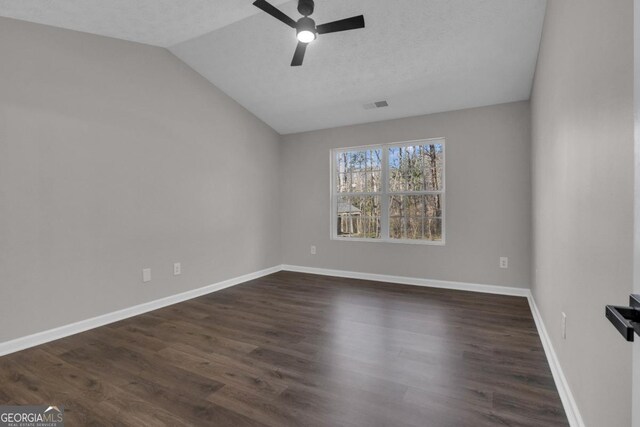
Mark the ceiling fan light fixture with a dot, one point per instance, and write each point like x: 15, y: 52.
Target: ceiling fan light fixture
x: 306, y: 36
x: 306, y: 30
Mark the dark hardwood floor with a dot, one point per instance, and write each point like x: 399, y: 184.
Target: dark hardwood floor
x: 294, y: 349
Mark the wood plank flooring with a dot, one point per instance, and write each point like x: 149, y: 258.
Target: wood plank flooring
x: 294, y: 349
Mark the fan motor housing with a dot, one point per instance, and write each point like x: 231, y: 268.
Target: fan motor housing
x: 306, y: 24
x: 305, y: 7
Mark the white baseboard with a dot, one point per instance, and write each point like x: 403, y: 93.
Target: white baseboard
x: 460, y: 286
x: 22, y: 343
x: 568, y: 401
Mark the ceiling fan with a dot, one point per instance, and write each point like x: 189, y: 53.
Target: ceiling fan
x: 306, y: 28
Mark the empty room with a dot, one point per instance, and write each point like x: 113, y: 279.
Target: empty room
x: 358, y: 213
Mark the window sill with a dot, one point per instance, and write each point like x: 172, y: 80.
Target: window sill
x: 393, y: 241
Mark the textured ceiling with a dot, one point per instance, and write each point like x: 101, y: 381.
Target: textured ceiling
x: 422, y: 56
x: 156, y: 22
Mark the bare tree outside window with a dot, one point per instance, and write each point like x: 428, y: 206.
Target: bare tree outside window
x: 359, y: 181
x: 390, y: 192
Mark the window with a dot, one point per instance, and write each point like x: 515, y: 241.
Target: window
x: 392, y: 192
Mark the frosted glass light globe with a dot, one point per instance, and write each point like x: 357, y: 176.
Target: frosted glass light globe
x: 306, y: 36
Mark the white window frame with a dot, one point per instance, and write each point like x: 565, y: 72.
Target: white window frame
x: 385, y: 195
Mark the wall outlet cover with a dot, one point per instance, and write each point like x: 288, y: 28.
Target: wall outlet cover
x: 146, y: 275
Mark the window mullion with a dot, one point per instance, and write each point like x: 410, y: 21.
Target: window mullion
x: 384, y: 199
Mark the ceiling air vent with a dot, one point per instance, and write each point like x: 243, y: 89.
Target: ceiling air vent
x: 374, y: 105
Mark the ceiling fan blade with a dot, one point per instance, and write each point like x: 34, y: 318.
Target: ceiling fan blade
x: 352, y: 23
x: 275, y: 12
x: 299, y: 55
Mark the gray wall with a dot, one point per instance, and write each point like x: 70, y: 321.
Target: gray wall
x: 116, y: 156
x: 488, y: 204
x: 636, y: 270
x: 583, y: 172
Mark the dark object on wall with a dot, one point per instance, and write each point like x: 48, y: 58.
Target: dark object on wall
x: 306, y: 29
x: 626, y: 319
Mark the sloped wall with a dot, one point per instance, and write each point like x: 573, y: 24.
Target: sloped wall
x: 115, y: 156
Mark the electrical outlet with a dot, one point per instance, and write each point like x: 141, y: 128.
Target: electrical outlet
x: 146, y: 275
x: 313, y: 250
x: 177, y: 269
x: 564, y: 326
x: 504, y: 262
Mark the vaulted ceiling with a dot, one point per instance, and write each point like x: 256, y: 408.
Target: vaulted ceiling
x: 156, y: 22
x: 422, y: 56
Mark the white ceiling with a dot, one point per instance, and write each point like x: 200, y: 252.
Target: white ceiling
x: 156, y: 22
x: 423, y: 56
